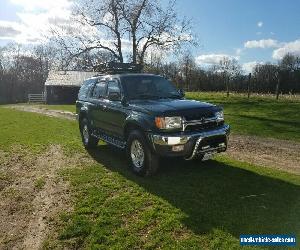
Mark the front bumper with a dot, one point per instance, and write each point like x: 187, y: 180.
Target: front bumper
x: 192, y: 144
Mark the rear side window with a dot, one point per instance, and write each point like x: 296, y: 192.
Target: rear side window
x: 85, y: 88
x: 99, y: 90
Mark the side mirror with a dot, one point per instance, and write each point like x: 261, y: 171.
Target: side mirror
x: 114, y: 96
x: 181, y: 92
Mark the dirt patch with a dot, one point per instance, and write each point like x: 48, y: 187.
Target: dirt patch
x: 32, y: 194
x: 267, y: 152
x: 53, y: 197
x: 48, y: 112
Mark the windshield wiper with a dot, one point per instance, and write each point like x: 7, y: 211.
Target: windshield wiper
x: 147, y: 96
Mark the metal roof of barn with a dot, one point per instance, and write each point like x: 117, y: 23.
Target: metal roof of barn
x: 68, y: 78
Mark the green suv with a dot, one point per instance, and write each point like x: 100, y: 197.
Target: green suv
x: 148, y: 117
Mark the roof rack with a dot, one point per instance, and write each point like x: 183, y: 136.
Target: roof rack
x: 118, y: 68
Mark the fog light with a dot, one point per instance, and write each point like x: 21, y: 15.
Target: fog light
x: 177, y: 148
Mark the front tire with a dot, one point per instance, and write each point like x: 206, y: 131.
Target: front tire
x: 141, y: 159
x: 88, y: 140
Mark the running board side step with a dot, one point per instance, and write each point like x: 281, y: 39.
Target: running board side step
x: 111, y: 140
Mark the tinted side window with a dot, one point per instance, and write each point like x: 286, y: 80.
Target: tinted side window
x: 99, y: 90
x: 84, y: 89
x: 113, y: 86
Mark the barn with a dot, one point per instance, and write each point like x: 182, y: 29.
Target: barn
x: 61, y: 87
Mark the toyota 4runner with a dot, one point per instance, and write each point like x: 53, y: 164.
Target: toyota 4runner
x: 148, y: 117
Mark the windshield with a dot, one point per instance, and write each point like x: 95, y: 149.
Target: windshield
x: 148, y: 87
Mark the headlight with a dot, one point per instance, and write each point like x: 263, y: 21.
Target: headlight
x: 219, y: 116
x: 168, y: 122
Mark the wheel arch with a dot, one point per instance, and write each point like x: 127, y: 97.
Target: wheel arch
x: 130, y: 126
x: 81, y: 116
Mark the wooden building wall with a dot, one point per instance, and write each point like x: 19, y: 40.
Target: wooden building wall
x: 61, y: 94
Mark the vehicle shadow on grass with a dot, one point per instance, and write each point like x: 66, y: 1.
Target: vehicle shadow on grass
x: 217, y: 195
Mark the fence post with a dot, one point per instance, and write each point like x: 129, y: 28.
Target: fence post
x: 248, y: 87
x: 278, y: 85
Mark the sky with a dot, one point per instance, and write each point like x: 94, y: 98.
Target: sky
x: 252, y: 32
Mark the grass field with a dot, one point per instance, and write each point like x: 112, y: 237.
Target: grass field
x: 261, y: 115
x: 188, y: 205
x: 17, y: 128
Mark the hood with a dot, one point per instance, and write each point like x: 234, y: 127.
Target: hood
x: 174, y: 106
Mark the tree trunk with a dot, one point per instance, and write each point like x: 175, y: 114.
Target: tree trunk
x: 134, y: 47
x: 249, y: 81
x: 227, y: 85
x: 120, y: 50
x: 277, y: 87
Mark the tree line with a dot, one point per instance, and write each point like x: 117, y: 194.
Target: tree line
x: 23, y: 73
x: 138, y: 31
x: 227, y: 75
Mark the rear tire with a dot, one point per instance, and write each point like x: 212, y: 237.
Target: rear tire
x: 142, y: 160
x: 88, y: 140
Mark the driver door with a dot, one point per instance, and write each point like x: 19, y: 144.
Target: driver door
x: 115, y: 113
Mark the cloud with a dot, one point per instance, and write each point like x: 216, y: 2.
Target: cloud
x: 260, y: 24
x: 248, y: 66
x: 42, y: 5
x: 287, y: 48
x: 239, y: 51
x: 262, y: 44
x: 9, y: 30
x: 36, y: 18
x: 211, y: 59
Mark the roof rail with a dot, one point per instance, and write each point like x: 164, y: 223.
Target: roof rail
x: 118, y: 68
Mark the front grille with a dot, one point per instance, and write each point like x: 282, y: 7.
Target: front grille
x: 198, y: 115
x: 201, y: 125
x: 197, y: 127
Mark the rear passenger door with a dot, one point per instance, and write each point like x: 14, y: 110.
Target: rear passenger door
x: 98, y: 106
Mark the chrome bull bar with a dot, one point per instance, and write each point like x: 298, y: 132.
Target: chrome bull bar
x: 197, y: 152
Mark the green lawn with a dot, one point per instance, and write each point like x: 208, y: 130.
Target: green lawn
x: 187, y: 205
x: 260, y: 115
x: 35, y: 131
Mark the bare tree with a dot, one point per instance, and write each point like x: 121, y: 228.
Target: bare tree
x: 266, y: 77
x: 152, y: 26
x: 229, y: 68
x: 290, y: 63
x: 188, y: 66
x: 123, y: 28
x: 95, y: 26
